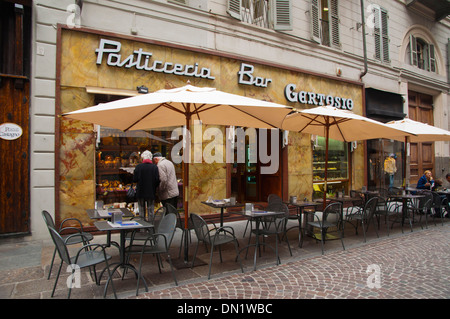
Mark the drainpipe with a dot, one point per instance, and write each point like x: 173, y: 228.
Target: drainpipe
x: 363, y: 24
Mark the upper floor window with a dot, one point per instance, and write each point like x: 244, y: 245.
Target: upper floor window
x: 325, y: 22
x: 274, y: 14
x: 421, y: 54
x: 381, y: 34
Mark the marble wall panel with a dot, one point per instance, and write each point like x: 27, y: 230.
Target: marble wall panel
x: 77, y: 154
x: 75, y: 197
x: 77, y: 149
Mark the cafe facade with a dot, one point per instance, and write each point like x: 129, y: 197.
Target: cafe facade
x: 60, y: 56
x: 96, y: 163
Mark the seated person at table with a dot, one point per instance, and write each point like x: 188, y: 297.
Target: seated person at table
x: 446, y: 182
x: 426, y: 181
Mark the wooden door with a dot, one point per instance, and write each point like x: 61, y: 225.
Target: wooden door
x: 421, y: 154
x: 247, y: 181
x: 15, y: 37
x: 14, y: 168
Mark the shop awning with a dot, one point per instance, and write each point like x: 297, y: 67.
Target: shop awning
x: 110, y: 91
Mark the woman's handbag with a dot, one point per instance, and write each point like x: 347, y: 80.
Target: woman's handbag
x: 131, y: 195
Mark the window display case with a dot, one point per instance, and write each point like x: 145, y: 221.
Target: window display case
x: 117, y: 154
x: 338, y: 168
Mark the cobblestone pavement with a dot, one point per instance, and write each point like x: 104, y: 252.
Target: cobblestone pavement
x: 413, y: 265
x: 416, y: 265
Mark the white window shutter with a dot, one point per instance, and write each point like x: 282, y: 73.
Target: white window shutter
x: 315, y: 21
x: 432, y: 62
x: 385, y: 35
x: 334, y: 23
x: 282, y: 14
x: 377, y: 32
x: 234, y: 8
x: 413, y: 49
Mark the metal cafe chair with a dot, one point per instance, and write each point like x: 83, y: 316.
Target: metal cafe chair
x: 274, y: 226
x: 387, y: 208
x: 271, y: 199
x: 215, y: 237
x: 69, y: 240
x: 157, y: 243
x: 87, y: 256
x: 364, y: 215
x: 328, y: 222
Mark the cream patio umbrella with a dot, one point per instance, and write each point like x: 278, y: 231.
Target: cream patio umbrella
x: 177, y: 107
x: 422, y: 133
x: 337, y: 124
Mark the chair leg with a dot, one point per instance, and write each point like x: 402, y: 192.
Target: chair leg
x: 57, y: 277
x: 363, y: 228
x: 246, y: 226
x: 195, y: 255
x: 51, y: 264
x: 171, y: 268
x: 210, y: 262
x: 237, y: 254
x: 322, y: 234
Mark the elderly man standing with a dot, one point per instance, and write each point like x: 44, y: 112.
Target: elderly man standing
x: 168, y: 187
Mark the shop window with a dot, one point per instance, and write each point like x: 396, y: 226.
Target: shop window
x: 261, y: 13
x: 381, y: 34
x: 338, y: 170
x: 385, y: 163
x: 325, y: 22
x: 421, y: 54
x: 118, y: 153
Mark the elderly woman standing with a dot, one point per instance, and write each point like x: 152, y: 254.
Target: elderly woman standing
x: 146, y: 176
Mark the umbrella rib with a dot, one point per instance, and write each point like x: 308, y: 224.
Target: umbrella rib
x: 149, y: 113
x: 198, y: 109
x: 338, y: 127
x: 274, y: 126
x: 314, y: 119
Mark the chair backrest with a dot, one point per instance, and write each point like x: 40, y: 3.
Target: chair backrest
x: 383, y: 193
x: 278, y: 207
x: 172, y: 210
x: 60, y: 245
x: 395, y: 191
x: 167, y: 227
x: 332, y: 209
x: 428, y: 197
x: 200, y: 228
x: 437, y: 200
x: 371, y: 206
x: 48, y: 219
x: 158, y: 216
x: 274, y: 198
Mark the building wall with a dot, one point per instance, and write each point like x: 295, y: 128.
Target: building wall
x: 206, y: 24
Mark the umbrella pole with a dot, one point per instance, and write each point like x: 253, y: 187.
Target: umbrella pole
x: 404, y: 162
x: 325, y: 187
x: 187, y: 155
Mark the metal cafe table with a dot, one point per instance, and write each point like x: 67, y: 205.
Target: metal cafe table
x: 301, y: 205
x: 106, y: 214
x: 123, y: 227
x: 405, y: 198
x: 222, y: 205
x: 257, y: 216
